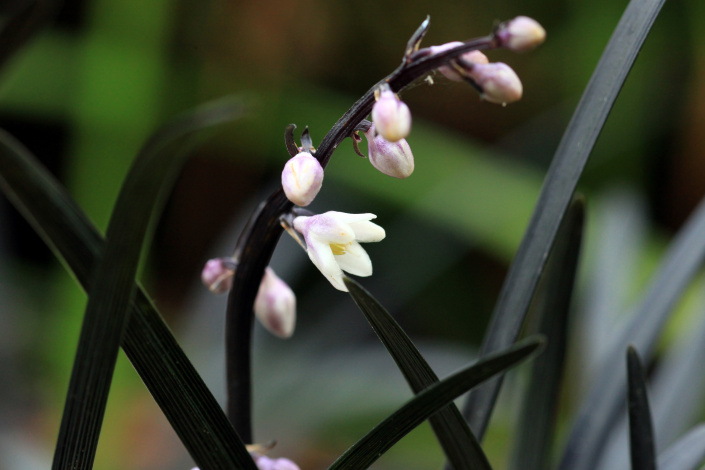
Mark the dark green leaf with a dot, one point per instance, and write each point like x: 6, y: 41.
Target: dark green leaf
x: 25, y: 20
x: 148, y: 343
x: 687, y: 453
x: 551, y: 306
x: 641, y: 430
x: 600, y: 410
x: 459, y: 444
x: 558, y: 189
x: 387, y: 433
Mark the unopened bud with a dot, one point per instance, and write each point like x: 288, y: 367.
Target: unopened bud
x: 302, y: 178
x: 473, y: 57
x: 275, y: 305
x: 520, y: 34
x: 499, y: 83
x: 391, y: 158
x: 265, y: 463
x: 217, y: 275
x: 391, y: 116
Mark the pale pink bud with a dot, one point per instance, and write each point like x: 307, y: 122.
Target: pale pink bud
x: 217, y: 275
x: 473, y: 57
x: 391, y: 116
x: 520, y: 34
x: 499, y: 83
x: 302, y: 178
x: 265, y: 463
x: 391, y: 158
x: 275, y: 305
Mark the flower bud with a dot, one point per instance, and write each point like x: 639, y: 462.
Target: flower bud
x: 391, y: 158
x: 302, y: 178
x: 275, y: 305
x: 520, y: 34
x: 499, y: 83
x: 265, y: 463
x: 474, y: 57
x: 391, y: 116
x: 217, y: 275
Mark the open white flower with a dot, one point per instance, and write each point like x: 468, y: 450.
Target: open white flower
x: 332, y: 243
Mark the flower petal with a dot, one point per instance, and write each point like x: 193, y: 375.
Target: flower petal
x: 367, y: 231
x: 331, y: 229
x: 322, y: 257
x: 355, y: 261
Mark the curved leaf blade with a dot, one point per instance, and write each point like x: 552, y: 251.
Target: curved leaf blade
x: 687, y: 453
x: 148, y: 343
x: 552, y: 305
x: 641, y: 429
x: 388, y: 432
x: 559, y: 186
x: 459, y: 444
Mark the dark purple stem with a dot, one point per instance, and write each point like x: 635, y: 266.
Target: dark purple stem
x: 255, y: 247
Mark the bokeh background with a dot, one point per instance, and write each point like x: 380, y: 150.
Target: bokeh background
x: 86, y: 92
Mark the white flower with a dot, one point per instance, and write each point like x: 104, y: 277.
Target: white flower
x: 275, y: 305
x: 332, y: 243
x: 302, y: 178
x: 391, y: 116
x: 391, y: 158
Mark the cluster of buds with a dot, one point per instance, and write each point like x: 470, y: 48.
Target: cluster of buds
x: 275, y: 304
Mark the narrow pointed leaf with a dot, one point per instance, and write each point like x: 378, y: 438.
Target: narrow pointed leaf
x: 559, y: 186
x: 459, y: 444
x: 388, y: 432
x: 687, y: 453
x: 148, y: 343
x: 641, y: 430
x: 551, y: 305
x: 600, y: 410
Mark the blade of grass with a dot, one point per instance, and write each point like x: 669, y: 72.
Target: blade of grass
x: 388, y: 432
x: 641, y: 429
x: 551, y: 305
x: 559, y: 186
x: 148, y: 343
x: 687, y: 453
x: 459, y: 444
x: 600, y: 410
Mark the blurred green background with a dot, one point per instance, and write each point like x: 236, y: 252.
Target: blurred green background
x: 86, y: 92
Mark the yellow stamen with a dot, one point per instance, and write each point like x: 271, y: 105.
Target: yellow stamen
x: 338, y: 248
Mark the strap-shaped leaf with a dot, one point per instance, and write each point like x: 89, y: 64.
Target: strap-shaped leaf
x: 600, y: 410
x: 641, y: 429
x: 148, y: 343
x: 559, y: 186
x: 388, y: 432
x: 459, y: 444
x: 687, y: 453
x: 551, y: 305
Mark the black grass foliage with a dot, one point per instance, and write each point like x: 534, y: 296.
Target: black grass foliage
x: 429, y: 401
x: 148, y: 343
x: 550, y: 307
x: 459, y: 444
x: 641, y: 429
x: 559, y: 186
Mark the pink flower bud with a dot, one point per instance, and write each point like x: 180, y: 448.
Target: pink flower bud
x: 302, y: 178
x: 520, y: 34
x: 275, y: 305
x: 265, y: 463
x: 391, y: 158
x: 217, y: 275
x: 391, y: 116
x: 499, y: 83
x: 474, y: 57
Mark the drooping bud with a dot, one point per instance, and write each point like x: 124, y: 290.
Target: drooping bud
x: 302, y: 178
x: 217, y: 274
x: 498, y: 82
x: 520, y: 34
x: 391, y: 158
x: 265, y: 463
x: 473, y: 57
x: 391, y: 116
x: 275, y: 305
